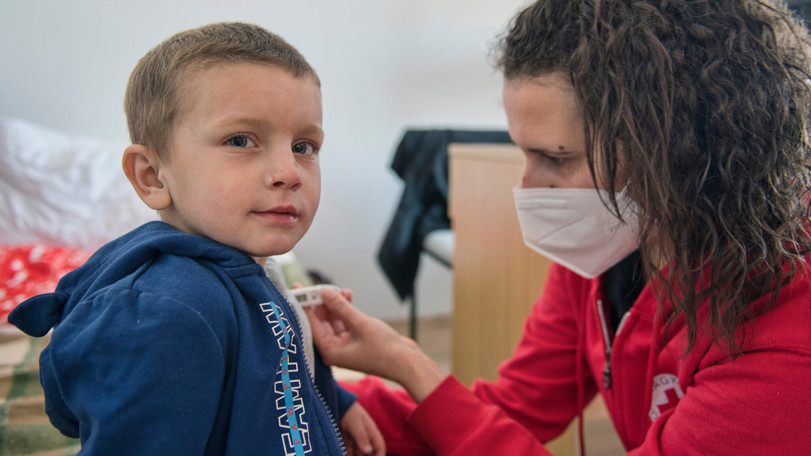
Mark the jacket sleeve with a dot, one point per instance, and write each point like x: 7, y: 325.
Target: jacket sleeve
x: 758, y: 402
x: 345, y: 400
x: 540, y: 389
x: 534, y: 399
x: 143, y: 376
x: 390, y: 409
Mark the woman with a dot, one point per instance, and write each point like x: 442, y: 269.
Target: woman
x: 667, y: 174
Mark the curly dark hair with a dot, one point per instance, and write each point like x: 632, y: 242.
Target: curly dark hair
x: 704, y: 106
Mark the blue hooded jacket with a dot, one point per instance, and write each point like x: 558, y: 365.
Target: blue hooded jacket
x: 167, y: 343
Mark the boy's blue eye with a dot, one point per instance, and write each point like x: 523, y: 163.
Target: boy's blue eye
x: 240, y: 141
x: 303, y: 148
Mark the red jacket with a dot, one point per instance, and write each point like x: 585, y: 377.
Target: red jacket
x: 661, y: 401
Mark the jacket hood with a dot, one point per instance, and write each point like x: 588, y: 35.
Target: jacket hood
x: 115, y: 260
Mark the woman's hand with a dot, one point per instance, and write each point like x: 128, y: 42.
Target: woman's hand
x: 346, y: 337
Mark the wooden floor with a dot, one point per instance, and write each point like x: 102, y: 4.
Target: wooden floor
x: 434, y: 337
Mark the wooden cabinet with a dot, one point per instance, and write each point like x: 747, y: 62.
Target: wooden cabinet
x: 496, y: 278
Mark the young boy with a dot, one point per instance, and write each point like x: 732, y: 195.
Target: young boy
x: 172, y: 339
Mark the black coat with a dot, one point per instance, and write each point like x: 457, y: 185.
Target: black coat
x: 421, y: 161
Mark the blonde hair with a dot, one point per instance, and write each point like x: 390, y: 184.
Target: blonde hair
x: 152, y: 100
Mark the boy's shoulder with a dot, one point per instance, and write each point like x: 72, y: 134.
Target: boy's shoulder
x: 209, y: 278
x: 165, y: 274
x: 170, y: 295
x: 179, y: 277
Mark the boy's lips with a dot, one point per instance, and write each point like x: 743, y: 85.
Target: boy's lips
x: 280, y: 215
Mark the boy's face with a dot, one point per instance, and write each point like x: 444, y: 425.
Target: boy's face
x: 243, y: 161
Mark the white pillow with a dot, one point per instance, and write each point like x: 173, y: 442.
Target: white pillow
x: 63, y: 190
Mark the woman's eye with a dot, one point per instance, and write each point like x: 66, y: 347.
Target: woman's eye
x: 240, y: 141
x: 554, y: 160
x: 303, y: 148
x: 548, y: 158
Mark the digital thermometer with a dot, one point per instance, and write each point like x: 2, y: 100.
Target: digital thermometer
x: 311, y: 296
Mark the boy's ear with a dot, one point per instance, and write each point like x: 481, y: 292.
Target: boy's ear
x: 142, y: 168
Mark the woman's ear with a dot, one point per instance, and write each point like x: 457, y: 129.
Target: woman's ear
x: 142, y: 168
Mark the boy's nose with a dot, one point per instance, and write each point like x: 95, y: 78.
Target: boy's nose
x: 283, y: 170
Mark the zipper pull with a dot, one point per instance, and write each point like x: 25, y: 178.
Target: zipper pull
x: 607, y: 340
x: 607, y: 369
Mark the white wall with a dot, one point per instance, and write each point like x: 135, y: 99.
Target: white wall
x: 385, y: 65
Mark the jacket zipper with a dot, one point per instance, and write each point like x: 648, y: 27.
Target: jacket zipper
x: 608, y: 342
x: 321, y: 399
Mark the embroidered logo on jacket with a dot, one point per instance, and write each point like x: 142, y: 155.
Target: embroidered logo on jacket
x: 289, y: 403
x: 666, y: 394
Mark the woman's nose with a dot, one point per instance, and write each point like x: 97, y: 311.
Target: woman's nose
x: 533, y: 176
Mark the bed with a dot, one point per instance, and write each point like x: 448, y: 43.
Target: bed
x: 63, y: 196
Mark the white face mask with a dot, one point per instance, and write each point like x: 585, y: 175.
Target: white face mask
x: 572, y: 226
